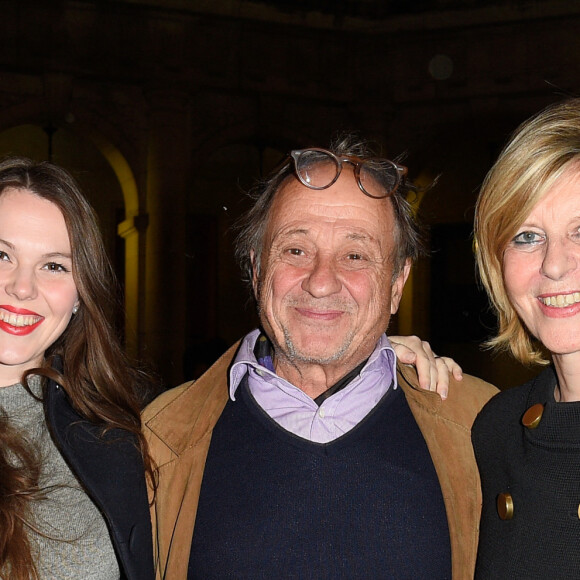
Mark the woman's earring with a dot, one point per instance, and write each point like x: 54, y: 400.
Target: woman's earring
x: 75, y: 309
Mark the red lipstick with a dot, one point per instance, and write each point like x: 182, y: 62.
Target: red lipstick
x: 16, y: 310
x: 19, y: 330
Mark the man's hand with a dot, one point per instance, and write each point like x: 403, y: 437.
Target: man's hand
x: 433, y: 371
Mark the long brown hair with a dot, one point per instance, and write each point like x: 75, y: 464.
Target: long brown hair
x: 101, y: 384
x: 19, y: 474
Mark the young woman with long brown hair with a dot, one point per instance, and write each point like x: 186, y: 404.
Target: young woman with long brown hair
x: 73, y: 462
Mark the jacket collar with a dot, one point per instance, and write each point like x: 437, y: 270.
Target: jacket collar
x: 193, y: 413
x: 408, y: 381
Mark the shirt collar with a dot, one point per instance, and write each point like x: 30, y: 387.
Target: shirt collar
x: 245, y: 360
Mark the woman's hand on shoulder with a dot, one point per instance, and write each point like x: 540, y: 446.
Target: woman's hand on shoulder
x: 433, y: 371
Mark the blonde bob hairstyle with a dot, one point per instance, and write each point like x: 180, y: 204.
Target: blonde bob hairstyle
x: 539, y: 152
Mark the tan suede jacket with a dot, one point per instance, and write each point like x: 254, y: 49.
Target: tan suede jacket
x: 178, y: 426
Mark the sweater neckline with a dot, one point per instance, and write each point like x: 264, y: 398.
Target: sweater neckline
x: 321, y: 448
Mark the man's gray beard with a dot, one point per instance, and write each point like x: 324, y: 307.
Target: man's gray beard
x: 289, y: 351
x: 292, y: 354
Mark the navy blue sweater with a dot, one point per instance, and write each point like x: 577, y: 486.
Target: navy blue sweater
x: 274, y: 505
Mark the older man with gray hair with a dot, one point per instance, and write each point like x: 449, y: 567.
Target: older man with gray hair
x: 307, y: 451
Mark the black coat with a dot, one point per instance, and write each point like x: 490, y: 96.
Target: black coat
x: 530, y: 524
x: 111, y: 471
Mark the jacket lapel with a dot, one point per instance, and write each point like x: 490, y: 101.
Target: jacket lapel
x: 193, y: 412
x: 111, y: 470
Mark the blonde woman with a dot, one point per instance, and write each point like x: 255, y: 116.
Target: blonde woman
x: 527, y: 439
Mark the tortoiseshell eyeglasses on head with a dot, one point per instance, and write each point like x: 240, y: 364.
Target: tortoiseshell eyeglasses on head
x: 320, y: 168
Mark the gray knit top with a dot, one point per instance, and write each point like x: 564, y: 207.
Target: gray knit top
x: 73, y: 540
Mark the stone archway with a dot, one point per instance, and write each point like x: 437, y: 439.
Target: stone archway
x: 131, y: 229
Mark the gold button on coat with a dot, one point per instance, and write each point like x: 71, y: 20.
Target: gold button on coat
x: 533, y: 416
x: 505, y: 506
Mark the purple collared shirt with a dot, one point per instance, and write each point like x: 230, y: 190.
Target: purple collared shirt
x: 296, y: 412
